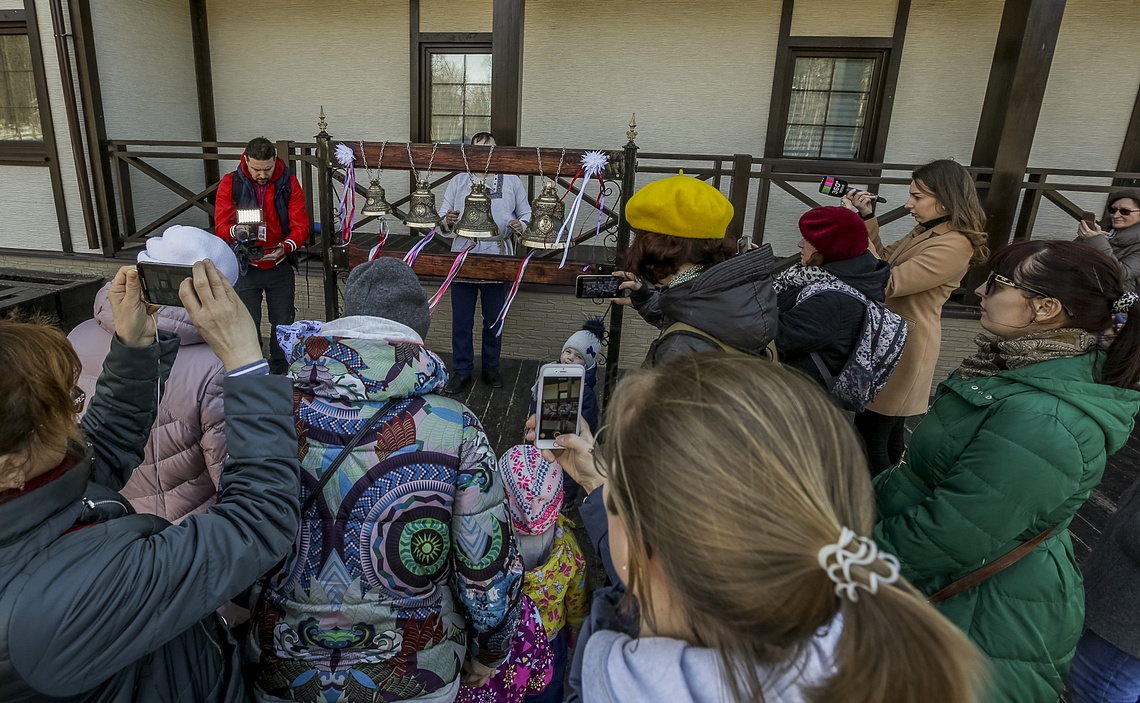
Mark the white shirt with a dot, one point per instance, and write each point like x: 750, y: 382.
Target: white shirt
x: 508, y: 202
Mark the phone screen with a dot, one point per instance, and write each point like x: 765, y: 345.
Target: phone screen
x: 604, y: 286
x: 558, y: 407
x: 160, y: 282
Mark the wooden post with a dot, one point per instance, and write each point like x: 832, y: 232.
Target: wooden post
x: 506, y: 70
x: 741, y: 172
x: 617, y: 312
x: 204, y: 80
x: 324, y: 183
x: 1129, y: 161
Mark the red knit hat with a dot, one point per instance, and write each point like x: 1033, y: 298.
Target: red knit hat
x: 836, y: 232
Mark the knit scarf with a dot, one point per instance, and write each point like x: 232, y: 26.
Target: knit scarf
x: 995, y: 354
x: 798, y: 276
x: 686, y: 275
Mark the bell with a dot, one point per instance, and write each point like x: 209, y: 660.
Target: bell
x: 421, y: 208
x: 546, y: 215
x: 374, y: 204
x: 477, y: 222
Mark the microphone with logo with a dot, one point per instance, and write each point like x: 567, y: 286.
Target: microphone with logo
x: 837, y: 187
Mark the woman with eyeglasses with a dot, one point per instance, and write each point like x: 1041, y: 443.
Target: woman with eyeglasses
x: 1015, y: 441
x: 927, y: 265
x: 1118, y: 233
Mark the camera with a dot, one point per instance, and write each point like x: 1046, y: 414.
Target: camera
x: 248, y: 235
x: 837, y: 187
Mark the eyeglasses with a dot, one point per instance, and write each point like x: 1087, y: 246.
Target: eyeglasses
x: 78, y: 399
x: 995, y: 277
x: 1126, y: 211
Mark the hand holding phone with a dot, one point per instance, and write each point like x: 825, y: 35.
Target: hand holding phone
x: 574, y: 453
x: 559, y: 402
x: 597, y: 286
x: 160, y: 282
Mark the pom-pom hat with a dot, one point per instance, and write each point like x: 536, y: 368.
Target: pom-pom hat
x: 680, y: 206
x: 836, y: 233
x: 588, y: 340
x: 534, y: 489
x: 187, y: 245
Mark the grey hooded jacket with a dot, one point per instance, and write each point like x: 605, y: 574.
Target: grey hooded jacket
x: 733, y: 301
x: 122, y: 610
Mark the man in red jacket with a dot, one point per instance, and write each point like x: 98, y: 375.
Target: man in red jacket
x: 274, y: 218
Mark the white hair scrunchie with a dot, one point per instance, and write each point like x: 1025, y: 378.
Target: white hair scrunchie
x: 1125, y: 302
x: 853, y: 550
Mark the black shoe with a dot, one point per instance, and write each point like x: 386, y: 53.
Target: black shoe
x: 493, y: 378
x: 458, y: 384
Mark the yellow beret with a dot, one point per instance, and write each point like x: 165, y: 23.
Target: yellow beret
x: 680, y: 207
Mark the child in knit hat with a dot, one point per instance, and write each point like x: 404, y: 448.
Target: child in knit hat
x: 555, y: 578
x: 583, y: 348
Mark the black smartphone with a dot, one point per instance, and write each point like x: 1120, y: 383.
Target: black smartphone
x: 597, y: 286
x: 1089, y: 219
x: 160, y: 282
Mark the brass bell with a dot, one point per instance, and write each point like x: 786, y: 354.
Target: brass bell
x: 421, y: 208
x: 546, y: 215
x: 477, y: 222
x: 374, y: 204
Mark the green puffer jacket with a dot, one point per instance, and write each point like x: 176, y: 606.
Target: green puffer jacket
x: 995, y: 462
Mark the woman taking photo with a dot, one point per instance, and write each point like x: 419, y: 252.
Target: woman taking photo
x: 1118, y: 233
x: 1016, y: 439
x: 753, y: 575
x: 685, y: 277
x: 927, y: 265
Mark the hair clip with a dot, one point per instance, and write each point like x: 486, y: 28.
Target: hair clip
x: 853, y: 550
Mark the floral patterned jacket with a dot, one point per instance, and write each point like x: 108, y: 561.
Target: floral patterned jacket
x: 405, y: 564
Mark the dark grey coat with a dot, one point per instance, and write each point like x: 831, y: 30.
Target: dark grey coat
x: 123, y: 610
x: 733, y: 301
x: 1124, y: 247
x: 1112, y: 577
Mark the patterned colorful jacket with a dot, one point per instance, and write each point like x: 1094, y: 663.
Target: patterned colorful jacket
x: 405, y: 564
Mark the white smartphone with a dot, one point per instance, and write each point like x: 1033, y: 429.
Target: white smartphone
x: 559, y: 402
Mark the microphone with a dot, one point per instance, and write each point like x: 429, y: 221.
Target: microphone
x: 837, y: 187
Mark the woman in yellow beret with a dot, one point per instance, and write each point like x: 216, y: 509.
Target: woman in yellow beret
x: 685, y: 277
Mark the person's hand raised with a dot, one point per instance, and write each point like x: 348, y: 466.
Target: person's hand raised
x: 134, y: 317
x: 1084, y: 231
x: 860, y: 201
x: 629, y: 283
x: 218, y: 313
x: 575, y: 455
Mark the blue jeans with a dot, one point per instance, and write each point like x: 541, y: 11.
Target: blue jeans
x: 463, y: 297
x: 1103, y: 673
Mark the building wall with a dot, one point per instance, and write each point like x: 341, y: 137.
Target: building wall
x: 146, y: 69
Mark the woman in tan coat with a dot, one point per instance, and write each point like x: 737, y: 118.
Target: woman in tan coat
x: 927, y: 265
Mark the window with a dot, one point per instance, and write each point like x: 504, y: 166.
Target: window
x: 833, y: 103
x: 459, y: 96
x: 19, y: 103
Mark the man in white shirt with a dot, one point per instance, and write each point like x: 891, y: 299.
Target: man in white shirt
x: 511, y: 212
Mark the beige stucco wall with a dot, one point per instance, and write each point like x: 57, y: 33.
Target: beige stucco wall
x: 827, y: 18
x: 146, y: 69
x: 456, y: 15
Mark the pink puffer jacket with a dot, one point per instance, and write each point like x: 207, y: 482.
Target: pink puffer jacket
x: 188, y: 438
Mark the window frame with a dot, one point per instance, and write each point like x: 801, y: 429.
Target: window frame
x: 844, y: 48
x: 21, y: 152
x: 442, y: 46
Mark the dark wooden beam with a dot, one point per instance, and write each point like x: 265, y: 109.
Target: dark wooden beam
x: 1129, y: 161
x: 486, y: 267
x: 47, y: 126
x: 778, y: 107
x: 204, y: 80
x: 1018, y: 77
x: 414, y: 126
x: 449, y: 157
x: 91, y: 95
x: 506, y: 70
x: 890, y: 83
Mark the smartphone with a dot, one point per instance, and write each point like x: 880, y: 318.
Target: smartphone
x: 601, y: 286
x: 559, y: 402
x: 1089, y: 219
x: 160, y: 282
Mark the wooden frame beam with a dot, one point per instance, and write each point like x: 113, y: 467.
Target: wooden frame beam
x: 506, y: 70
x: 1130, y: 151
x: 204, y: 82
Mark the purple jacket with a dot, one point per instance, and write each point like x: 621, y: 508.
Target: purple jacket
x: 188, y: 438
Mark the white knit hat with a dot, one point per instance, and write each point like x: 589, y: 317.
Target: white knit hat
x: 186, y: 245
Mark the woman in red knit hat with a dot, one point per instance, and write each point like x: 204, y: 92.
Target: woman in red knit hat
x: 822, y: 329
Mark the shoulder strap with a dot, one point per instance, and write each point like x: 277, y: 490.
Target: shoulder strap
x: 828, y: 379
x: 993, y: 568
x: 352, y: 444
x: 683, y: 327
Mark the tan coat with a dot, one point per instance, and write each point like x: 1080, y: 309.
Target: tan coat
x: 926, y: 267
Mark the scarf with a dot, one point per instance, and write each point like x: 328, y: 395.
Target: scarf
x: 995, y: 354
x: 798, y: 276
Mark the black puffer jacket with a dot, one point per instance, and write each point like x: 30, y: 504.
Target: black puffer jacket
x: 733, y: 301
x: 829, y: 323
x: 122, y: 610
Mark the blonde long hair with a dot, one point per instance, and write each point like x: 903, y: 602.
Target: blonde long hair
x: 734, y: 472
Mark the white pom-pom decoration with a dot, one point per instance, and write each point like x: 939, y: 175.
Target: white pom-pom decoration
x: 345, y: 155
x: 593, y: 162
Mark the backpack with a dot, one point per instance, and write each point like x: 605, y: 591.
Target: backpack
x: 876, y: 354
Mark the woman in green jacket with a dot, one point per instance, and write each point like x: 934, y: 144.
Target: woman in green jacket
x: 1013, y: 444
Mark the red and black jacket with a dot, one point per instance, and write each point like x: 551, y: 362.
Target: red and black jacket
x: 281, y: 201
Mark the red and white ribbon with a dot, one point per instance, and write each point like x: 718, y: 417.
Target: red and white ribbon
x: 347, y: 158
x: 592, y: 164
x: 502, y: 318
x: 450, y: 277
x: 410, y: 257
x: 375, y: 253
